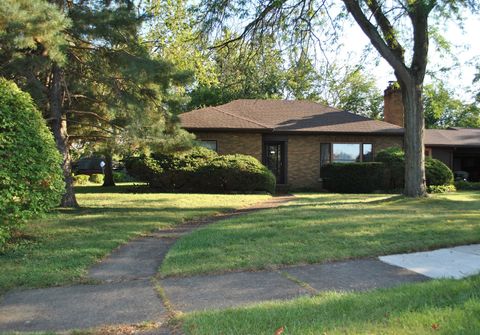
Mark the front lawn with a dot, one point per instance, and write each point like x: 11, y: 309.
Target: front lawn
x: 436, y: 307
x: 58, y: 249
x: 326, y: 227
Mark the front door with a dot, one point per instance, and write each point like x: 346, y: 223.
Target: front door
x: 274, y: 159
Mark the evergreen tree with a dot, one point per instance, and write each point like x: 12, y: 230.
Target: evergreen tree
x: 106, y: 87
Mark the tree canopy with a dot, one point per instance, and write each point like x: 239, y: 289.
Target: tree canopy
x: 443, y: 110
x: 88, y: 68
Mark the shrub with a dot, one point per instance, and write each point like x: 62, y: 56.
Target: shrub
x: 81, y: 179
x: 201, y: 170
x: 121, y: 177
x: 441, y: 188
x: 353, y: 177
x: 236, y: 173
x: 437, y: 173
x: 31, y: 179
x: 467, y: 185
x: 390, y: 155
x: 97, y: 178
x: 393, y: 159
x: 143, y: 168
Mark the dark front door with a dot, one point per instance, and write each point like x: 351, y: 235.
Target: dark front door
x: 274, y: 159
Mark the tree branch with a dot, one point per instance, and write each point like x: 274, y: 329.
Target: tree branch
x: 253, y: 25
x: 387, y: 29
x: 418, y: 13
x: 71, y: 111
x: 377, y: 41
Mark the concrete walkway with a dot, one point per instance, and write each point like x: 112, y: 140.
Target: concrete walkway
x: 457, y: 262
x: 126, y: 292
x: 241, y: 288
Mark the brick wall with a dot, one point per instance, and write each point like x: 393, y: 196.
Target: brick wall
x: 235, y: 143
x: 304, y: 154
x: 303, y: 160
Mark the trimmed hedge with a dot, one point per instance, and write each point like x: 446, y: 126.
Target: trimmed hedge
x: 441, y: 188
x: 467, y: 185
x: 97, y: 178
x: 201, y: 170
x: 353, y: 177
x: 81, y: 179
x: 31, y: 178
x: 385, y: 174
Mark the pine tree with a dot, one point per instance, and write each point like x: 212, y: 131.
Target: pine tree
x: 105, y: 88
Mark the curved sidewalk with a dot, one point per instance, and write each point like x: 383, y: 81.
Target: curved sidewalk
x: 121, y: 290
x: 125, y: 289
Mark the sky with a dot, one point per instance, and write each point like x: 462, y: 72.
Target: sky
x: 465, y: 47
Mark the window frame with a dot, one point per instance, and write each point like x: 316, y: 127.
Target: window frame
x: 362, y: 155
x: 214, y: 141
x: 361, y: 150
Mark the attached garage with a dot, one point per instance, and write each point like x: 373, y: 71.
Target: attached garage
x: 458, y: 148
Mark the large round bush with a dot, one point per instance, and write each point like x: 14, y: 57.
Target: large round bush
x: 232, y: 173
x: 201, y: 170
x: 31, y: 179
x: 437, y: 173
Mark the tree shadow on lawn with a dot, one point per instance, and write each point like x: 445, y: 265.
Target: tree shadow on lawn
x: 315, y: 234
x: 66, y: 245
x: 442, y: 200
x: 120, y: 188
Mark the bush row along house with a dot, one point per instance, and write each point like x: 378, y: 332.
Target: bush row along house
x: 294, y: 139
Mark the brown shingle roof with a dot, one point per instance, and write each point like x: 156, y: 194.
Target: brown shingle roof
x: 453, y: 137
x: 283, y: 116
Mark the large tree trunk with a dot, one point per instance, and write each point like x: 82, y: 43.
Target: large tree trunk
x: 108, y: 180
x: 415, y: 185
x: 58, y: 124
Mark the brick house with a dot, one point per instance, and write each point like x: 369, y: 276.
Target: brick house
x: 295, y: 138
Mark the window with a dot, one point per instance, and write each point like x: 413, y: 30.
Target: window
x: 209, y: 144
x: 324, y: 154
x: 345, y: 152
x: 367, y: 152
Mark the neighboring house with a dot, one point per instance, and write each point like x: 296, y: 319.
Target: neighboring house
x: 295, y: 138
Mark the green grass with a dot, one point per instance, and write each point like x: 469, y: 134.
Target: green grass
x: 59, y: 248
x: 436, y: 307
x: 326, y: 227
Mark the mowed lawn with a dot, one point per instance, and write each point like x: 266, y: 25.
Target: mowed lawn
x: 326, y: 227
x: 59, y: 248
x: 435, y: 307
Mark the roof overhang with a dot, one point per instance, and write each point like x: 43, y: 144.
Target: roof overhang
x: 399, y: 132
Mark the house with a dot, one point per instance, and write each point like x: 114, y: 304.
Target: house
x: 295, y: 138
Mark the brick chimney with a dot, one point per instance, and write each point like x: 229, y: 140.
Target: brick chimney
x: 393, y: 105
